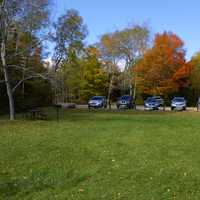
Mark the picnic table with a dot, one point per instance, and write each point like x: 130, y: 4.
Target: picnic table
x: 36, y: 113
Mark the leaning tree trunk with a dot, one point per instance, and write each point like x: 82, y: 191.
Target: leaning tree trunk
x: 7, y: 81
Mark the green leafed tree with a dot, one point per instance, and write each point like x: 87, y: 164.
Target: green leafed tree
x: 83, y: 76
x: 132, y: 42
x: 126, y: 46
x: 69, y: 35
x: 195, y: 75
x: 110, y: 57
x: 70, y: 32
x: 94, y: 77
x: 19, y: 19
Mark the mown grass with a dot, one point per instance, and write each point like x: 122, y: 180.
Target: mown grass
x: 102, y: 155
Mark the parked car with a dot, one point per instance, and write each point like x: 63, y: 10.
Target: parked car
x: 125, y: 101
x: 160, y: 100
x: 178, y: 103
x: 97, y: 102
x: 151, y: 103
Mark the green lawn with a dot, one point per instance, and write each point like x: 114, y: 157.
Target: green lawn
x: 102, y: 155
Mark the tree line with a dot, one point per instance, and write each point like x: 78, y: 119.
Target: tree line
x: 126, y: 61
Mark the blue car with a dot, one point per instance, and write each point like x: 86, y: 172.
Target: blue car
x: 151, y: 103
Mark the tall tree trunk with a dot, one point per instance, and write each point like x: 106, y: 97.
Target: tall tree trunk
x: 7, y: 81
x: 130, y: 89
x: 135, y: 88
x: 110, y: 90
x: 130, y: 82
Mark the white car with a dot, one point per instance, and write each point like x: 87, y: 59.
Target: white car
x: 97, y: 102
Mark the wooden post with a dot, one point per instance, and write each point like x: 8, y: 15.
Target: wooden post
x: 57, y: 112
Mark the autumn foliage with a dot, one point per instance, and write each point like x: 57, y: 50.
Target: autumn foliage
x: 163, y: 69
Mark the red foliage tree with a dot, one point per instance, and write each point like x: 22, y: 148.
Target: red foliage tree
x: 163, y: 67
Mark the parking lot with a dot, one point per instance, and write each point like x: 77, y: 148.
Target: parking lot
x: 140, y: 108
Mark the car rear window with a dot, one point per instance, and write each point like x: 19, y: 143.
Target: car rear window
x: 179, y: 99
x: 125, y: 97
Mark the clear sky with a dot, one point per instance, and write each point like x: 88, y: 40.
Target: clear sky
x: 101, y: 16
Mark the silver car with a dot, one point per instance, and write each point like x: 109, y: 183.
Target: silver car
x: 151, y: 103
x: 97, y: 102
x: 178, y: 103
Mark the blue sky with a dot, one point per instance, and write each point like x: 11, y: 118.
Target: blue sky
x: 101, y: 16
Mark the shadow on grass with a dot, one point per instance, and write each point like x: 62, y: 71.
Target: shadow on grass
x: 92, y: 115
x: 39, y: 181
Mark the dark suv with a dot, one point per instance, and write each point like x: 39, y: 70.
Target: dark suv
x: 125, y: 101
x: 97, y: 102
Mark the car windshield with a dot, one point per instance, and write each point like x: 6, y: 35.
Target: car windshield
x: 157, y: 98
x: 179, y: 99
x: 96, y: 98
x: 125, y: 97
x: 151, y: 99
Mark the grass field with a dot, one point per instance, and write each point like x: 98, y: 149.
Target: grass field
x: 102, y: 155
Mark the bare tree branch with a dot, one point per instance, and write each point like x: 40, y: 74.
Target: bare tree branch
x: 28, y: 78
x: 31, y: 74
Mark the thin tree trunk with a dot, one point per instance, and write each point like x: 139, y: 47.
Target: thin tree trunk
x: 23, y: 85
x: 130, y: 89
x: 3, y: 59
x: 7, y: 81
x: 135, y: 88
x: 110, y: 90
x: 130, y: 83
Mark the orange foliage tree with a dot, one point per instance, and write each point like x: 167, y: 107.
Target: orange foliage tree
x: 163, y: 68
x: 182, y: 76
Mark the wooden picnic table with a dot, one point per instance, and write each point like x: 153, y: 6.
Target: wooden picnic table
x: 37, y: 114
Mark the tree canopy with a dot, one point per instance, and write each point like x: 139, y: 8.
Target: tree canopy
x: 125, y: 61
